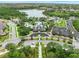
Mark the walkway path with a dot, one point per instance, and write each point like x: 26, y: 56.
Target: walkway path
x: 40, y: 47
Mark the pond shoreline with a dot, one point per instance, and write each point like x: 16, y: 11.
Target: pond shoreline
x: 33, y: 12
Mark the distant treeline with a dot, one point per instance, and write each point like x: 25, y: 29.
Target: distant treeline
x: 8, y: 13
x: 39, y: 5
x: 62, y: 13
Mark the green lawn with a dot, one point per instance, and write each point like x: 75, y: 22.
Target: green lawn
x: 4, y: 37
x: 61, y: 23
x: 76, y: 24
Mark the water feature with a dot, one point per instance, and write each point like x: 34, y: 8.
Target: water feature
x: 33, y: 12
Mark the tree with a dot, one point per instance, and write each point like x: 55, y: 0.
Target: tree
x: 11, y: 46
x: 23, y: 30
x: 66, y: 46
x: 28, y: 51
x: 50, y: 55
x: 58, y: 50
x: 76, y: 24
x: 53, y: 47
x: 74, y: 55
x: 67, y: 50
x: 50, y: 47
x: 8, y: 13
x: 16, y: 54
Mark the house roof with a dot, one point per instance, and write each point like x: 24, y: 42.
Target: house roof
x: 61, y: 31
x: 1, y: 25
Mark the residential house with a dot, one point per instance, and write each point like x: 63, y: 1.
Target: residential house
x: 61, y: 31
x: 2, y: 26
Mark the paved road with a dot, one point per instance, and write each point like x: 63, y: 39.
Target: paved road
x: 12, y: 35
x: 71, y: 27
x: 2, y: 53
x: 75, y: 35
x: 30, y: 42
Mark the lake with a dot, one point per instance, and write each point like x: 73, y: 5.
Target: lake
x: 33, y: 12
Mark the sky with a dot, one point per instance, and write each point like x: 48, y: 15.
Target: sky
x: 39, y: 0
x: 50, y: 1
